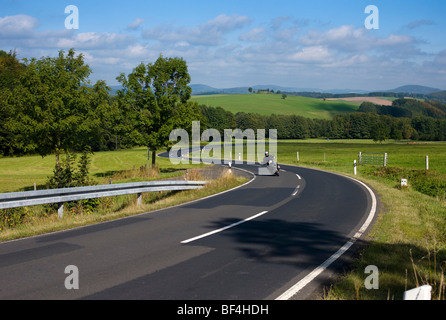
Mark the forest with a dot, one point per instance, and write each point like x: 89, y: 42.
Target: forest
x: 369, y: 122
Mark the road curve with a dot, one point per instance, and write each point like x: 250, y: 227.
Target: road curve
x: 269, y: 239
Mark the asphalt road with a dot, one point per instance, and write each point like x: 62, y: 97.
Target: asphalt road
x: 252, y: 243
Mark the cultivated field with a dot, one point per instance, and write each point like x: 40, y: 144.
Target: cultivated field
x: 359, y: 100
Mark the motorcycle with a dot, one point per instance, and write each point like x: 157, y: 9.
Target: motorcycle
x: 269, y: 167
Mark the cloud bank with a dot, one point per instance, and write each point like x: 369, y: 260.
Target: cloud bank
x: 234, y: 50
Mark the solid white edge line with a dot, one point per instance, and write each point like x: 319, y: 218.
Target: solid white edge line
x: 225, y: 228
x: 312, y: 275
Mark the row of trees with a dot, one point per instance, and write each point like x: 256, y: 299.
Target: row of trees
x: 357, y: 125
x: 48, y: 105
x: 407, y: 108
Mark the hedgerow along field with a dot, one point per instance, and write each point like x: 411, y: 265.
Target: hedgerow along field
x: 267, y: 104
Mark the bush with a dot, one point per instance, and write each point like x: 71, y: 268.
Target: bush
x: 9, y: 218
x: 423, y: 181
x: 66, y: 175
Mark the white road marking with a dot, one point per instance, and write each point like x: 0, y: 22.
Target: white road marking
x: 225, y: 228
x: 300, y: 178
x: 296, y: 191
x: 312, y: 275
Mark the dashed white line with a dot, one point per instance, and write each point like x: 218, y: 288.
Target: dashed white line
x: 299, y: 177
x: 296, y: 191
x: 225, y: 228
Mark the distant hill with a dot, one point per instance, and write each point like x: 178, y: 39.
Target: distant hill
x: 414, y: 89
x: 267, y: 104
x: 202, y: 89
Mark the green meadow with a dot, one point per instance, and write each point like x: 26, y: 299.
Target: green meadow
x: 267, y: 104
x: 340, y: 154
x: 20, y: 173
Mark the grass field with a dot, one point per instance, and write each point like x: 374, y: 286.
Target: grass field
x: 17, y: 174
x: 22, y: 172
x: 340, y: 154
x: 267, y: 104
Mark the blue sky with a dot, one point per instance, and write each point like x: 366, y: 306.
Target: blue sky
x: 305, y: 44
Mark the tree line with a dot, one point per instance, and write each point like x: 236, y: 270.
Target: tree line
x: 356, y: 125
x: 49, y: 106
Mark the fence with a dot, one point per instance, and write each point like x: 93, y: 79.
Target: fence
x: 31, y: 198
x: 373, y: 158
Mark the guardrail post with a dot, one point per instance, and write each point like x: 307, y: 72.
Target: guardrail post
x: 60, y: 210
x: 139, y: 201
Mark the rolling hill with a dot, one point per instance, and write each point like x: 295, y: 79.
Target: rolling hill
x: 267, y: 104
x: 414, y: 89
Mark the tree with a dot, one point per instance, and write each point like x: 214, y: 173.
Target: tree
x: 52, y: 104
x: 155, y: 97
x: 380, y: 131
x: 367, y: 107
x: 10, y: 69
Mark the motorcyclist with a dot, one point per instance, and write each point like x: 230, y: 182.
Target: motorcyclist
x: 267, y: 159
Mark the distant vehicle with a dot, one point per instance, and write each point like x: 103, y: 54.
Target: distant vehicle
x: 269, y: 166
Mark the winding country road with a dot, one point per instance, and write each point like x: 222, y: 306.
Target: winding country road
x: 272, y: 238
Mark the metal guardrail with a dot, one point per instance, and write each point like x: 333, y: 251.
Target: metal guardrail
x: 60, y: 196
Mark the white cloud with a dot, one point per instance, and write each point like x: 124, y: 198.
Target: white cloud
x: 254, y: 35
x: 21, y: 26
x: 419, y: 23
x: 313, y: 54
x: 135, y: 24
x: 95, y: 40
x: 210, y: 33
